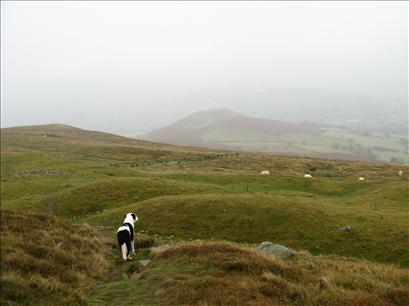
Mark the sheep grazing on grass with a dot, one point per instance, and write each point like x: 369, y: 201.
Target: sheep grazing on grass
x: 400, y: 172
x: 307, y: 175
x: 346, y: 228
x: 361, y: 179
x: 265, y: 172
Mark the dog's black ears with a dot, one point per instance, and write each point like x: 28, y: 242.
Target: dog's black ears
x: 133, y: 216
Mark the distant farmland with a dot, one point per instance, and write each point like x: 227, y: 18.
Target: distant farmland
x: 230, y: 130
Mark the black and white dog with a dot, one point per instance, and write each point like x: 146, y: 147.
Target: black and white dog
x: 125, y: 236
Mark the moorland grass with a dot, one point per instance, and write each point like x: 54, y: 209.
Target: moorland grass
x: 96, y: 176
x: 183, y: 193
x: 224, y: 273
x: 47, y: 261
x: 298, y: 221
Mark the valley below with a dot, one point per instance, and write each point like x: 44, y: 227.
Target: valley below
x: 343, y: 139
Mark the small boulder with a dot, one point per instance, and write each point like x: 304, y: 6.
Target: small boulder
x: 346, y: 228
x: 275, y: 249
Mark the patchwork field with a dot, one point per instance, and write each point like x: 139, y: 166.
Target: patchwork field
x: 226, y: 129
x: 334, y: 142
x: 214, y: 208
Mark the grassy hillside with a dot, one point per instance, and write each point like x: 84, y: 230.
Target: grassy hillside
x: 183, y: 193
x: 223, y: 273
x: 47, y: 261
x: 299, y: 220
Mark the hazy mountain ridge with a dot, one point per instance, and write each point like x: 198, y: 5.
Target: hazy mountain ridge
x: 119, y: 106
x: 191, y: 129
x: 386, y: 113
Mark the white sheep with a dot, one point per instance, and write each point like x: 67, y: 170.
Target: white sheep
x: 265, y: 172
x: 307, y: 175
x: 361, y: 179
x: 400, y: 173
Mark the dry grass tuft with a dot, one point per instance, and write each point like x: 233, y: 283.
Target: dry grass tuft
x: 46, y: 261
x: 143, y: 241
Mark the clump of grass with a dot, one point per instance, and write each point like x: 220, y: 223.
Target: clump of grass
x: 322, y: 168
x: 47, y: 261
x: 327, y: 172
x: 224, y: 273
x: 143, y: 241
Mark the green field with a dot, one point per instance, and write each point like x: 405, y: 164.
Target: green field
x: 211, y: 202
x: 389, y: 148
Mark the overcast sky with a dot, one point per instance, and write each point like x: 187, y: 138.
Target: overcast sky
x: 95, y: 64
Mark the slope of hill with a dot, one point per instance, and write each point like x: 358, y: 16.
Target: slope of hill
x: 192, y: 129
x: 222, y: 128
x: 183, y: 193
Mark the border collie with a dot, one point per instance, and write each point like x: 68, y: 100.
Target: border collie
x: 125, y: 236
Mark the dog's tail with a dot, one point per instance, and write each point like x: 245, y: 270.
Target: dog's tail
x: 124, y: 250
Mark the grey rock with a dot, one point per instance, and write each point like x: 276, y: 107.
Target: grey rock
x: 346, y: 228
x: 275, y: 249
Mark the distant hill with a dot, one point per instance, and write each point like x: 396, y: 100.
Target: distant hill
x: 226, y: 129
x: 350, y: 109
x: 195, y: 129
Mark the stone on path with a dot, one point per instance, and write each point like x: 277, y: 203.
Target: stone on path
x: 145, y: 262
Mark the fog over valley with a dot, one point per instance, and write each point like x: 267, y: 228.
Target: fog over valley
x: 133, y: 67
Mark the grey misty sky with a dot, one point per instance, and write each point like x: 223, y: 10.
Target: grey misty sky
x: 85, y: 63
